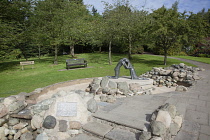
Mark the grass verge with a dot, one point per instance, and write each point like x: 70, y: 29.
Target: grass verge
x: 14, y: 80
x: 200, y: 59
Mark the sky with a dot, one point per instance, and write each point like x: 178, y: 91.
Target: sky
x: 188, y: 5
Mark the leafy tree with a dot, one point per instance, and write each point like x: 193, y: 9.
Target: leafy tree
x: 75, y: 26
x: 14, y: 22
x: 167, y: 29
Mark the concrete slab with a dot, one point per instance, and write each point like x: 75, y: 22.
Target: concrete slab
x: 182, y: 135
x: 204, y: 137
x: 129, y: 120
x: 119, y: 134
x: 128, y: 80
x: 195, y: 116
x: 191, y: 127
x: 83, y: 137
x: 97, y: 128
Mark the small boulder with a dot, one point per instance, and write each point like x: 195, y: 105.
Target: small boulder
x: 158, y: 128
x: 104, y: 81
x: 75, y: 125
x: 164, y: 117
x: 181, y: 88
x: 174, y: 128
x: 49, y: 122
x: 42, y: 136
x: 145, y: 135
x: 27, y: 136
x: 63, y: 125
x: 92, y: 105
x: 36, y: 121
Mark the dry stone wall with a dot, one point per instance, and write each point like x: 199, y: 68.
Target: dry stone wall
x: 180, y: 76
x: 61, y: 116
x: 165, y: 123
x: 108, y: 90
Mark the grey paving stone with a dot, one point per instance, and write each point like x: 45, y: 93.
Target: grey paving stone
x: 191, y: 107
x: 205, y: 129
x: 182, y: 135
x: 199, y: 117
x: 203, y: 109
x: 181, y: 108
x: 197, y: 102
x: 97, y: 128
x: 204, y: 137
x: 83, y: 137
x: 205, y: 98
x: 159, y: 98
x: 119, y: 134
x: 208, y: 104
x: 191, y: 127
x: 125, y: 119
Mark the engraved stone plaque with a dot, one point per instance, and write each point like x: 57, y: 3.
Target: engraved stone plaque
x: 68, y: 109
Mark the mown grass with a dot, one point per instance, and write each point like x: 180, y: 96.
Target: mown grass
x: 200, y: 59
x: 14, y: 80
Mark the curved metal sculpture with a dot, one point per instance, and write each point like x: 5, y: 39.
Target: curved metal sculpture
x: 127, y: 65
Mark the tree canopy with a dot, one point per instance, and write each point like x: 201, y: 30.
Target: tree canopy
x: 31, y: 28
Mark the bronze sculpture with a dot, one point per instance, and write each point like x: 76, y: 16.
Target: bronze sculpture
x: 127, y: 65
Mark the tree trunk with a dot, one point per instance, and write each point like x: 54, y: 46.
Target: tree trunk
x: 39, y: 51
x: 72, y: 50
x: 165, y: 56
x: 100, y: 49
x: 129, y: 47
x: 56, y: 55
x: 110, y: 53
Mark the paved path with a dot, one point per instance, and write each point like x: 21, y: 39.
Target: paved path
x: 133, y: 112
x: 196, y: 124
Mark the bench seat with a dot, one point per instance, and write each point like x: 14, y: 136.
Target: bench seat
x: 75, y: 62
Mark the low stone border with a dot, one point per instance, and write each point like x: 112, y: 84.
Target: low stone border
x: 174, y: 76
x: 165, y: 123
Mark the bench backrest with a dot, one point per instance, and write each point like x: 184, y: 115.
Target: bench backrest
x: 75, y: 61
x: 27, y: 63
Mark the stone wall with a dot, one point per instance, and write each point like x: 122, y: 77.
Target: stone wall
x: 59, y: 117
x: 109, y: 89
x: 165, y: 123
x: 174, y: 75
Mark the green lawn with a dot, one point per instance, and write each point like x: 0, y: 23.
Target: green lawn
x: 200, y: 59
x: 14, y: 80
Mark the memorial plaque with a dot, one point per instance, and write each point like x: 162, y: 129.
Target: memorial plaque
x: 68, y: 109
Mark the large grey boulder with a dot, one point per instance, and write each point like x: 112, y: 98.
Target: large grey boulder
x: 123, y: 87
x: 42, y: 136
x: 92, y: 105
x: 145, y: 135
x: 16, y: 107
x: 112, y: 85
x: 104, y: 81
x: 27, y: 136
x: 158, y: 128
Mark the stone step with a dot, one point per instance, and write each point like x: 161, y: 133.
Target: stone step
x: 97, y: 129
x: 120, y: 134
x: 84, y: 136
x: 129, y: 121
x: 104, y: 131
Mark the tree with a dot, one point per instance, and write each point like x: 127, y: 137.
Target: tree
x: 76, y: 25
x: 167, y: 28
x: 14, y: 20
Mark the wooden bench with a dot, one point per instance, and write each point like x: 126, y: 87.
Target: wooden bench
x: 27, y: 63
x: 75, y: 62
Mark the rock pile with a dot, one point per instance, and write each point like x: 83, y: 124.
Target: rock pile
x: 59, y: 117
x: 165, y: 124
x: 174, y: 75
x: 109, y: 90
